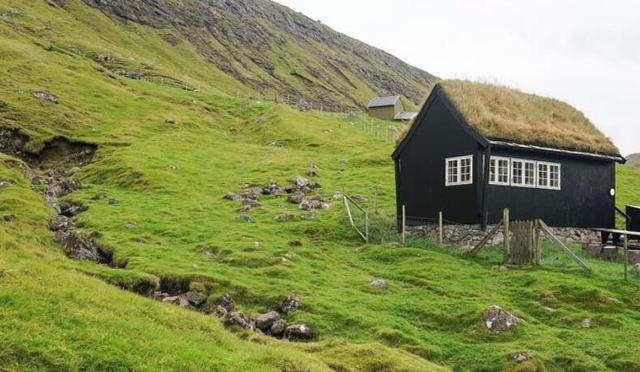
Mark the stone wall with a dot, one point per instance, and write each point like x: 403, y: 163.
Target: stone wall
x: 467, y: 236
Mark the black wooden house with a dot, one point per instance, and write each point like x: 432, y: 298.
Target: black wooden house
x: 475, y: 149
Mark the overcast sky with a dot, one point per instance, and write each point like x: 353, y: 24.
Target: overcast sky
x: 584, y: 52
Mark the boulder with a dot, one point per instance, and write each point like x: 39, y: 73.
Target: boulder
x: 379, y: 283
x: 298, y: 332
x: 498, y: 320
x: 60, y: 223
x: 233, y: 196
x: 180, y: 300
x: 290, y: 304
x: 287, y: 216
x: 265, y: 321
x: 278, y: 327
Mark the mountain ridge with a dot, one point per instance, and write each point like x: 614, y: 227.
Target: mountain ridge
x: 295, y: 54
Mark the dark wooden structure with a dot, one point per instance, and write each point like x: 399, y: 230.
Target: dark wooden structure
x: 583, y: 194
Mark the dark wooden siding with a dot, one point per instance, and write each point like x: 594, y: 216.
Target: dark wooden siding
x: 583, y: 201
x: 420, y: 168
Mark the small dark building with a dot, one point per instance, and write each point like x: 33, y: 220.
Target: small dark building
x: 475, y: 149
x: 389, y: 108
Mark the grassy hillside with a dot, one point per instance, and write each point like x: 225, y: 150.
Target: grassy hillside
x: 168, y: 156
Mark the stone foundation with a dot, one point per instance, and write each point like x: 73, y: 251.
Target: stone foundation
x: 467, y: 236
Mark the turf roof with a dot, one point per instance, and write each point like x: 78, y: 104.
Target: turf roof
x: 501, y: 113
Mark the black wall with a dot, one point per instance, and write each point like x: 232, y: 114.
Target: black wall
x: 583, y: 201
x: 420, y: 169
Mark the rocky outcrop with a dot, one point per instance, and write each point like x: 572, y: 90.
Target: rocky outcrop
x: 498, y: 320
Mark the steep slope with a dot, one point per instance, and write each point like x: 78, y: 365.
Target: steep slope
x: 276, y: 51
x: 633, y: 160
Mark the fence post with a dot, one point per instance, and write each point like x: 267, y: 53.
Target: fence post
x: 537, y: 243
x: 440, y: 228
x: 507, y: 249
x: 626, y: 255
x: 404, y: 223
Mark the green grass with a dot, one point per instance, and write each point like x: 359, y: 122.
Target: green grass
x: 169, y: 180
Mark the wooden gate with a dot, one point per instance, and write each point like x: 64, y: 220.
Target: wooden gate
x: 524, y: 247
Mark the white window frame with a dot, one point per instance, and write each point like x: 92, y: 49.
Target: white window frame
x: 496, y: 180
x: 458, y: 170
x: 548, y: 185
x: 523, y: 182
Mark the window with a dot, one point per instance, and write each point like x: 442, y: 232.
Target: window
x: 459, y: 171
x: 549, y: 176
x: 523, y: 173
x: 499, y: 171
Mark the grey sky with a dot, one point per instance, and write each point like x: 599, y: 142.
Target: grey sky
x: 584, y: 52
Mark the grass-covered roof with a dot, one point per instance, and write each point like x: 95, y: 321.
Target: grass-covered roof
x: 502, y: 113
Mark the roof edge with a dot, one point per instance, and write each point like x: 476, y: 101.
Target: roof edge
x: 617, y: 158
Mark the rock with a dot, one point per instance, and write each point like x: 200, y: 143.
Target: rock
x: 78, y: 247
x: 196, y: 298
x: 239, y: 319
x: 252, y: 192
x: 287, y: 216
x: 278, y: 327
x: 45, y: 96
x: 379, y: 283
x: 295, y: 243
x: 101, y: 58
x: 113, y: 201
x: 521, y: 357
x: 233, y: 196
x: 72, y: 208
x: 36, y: 181
x: 317, y: 197
x: 313, y: 170
x: 62, y: 188
x: 173, y: 167
x: 6, y: 182
x: 290, y: 304
x: 170, y: 121
x: 359, y: 198
x: 308, y: 204
x: 298, y: 332
x: 337, y: 195
x: 325, y: 206
x: 130, y: 226
x: 296, y: 198
x: 586, y: 323
x: 226, y: 302
x: 265, y: 321
x: 246, y: 218
x: 160, y: 296
x: 636, y: 268
x: 99, y: 196
x: 498, y: 320
x: 272, y: 188
x: 60, y: 223
x: 180, y: 300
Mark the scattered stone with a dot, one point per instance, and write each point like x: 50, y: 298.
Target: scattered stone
x: 233, y: 196
x: 170, y: 121
x: 239, y: 319
x: 298, y: 332
x: 130, y: 226
x: 498, y: 320
x: 337, y: 195
x: 159, y: 295
x: 196, y: 298
x: 278, y: 327
x: 287, y: 216
x: 60, y: 223
x: 379, y: 283
x: 173, y: 167
x: 102, y: 58
x: 265, y: 321
x: 246, y: 218
x: 6, y: 182
x: 636, y: 268
x: 521, y: 357
x: 226, y: 302
x: 82, y: 248
x: 113, y: 201
x: 586, y: 323
x: 99, y: 196
x: 252, y: 192
x: 45, y: 96
x: 290, y: 304
x: 62, y: 188
x: 296, y: 198
x: 317, y: 197
x: 251, y: 203
x: 72, y: 208
x: 181, y: 300
x: 272, y: 188
x: 359, y: 198
x: 307, y: 205
x: 295, y: 243
x: 313, y: 170
x: 325, y: 206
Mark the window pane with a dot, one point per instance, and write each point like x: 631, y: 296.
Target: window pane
x: 465, y: 170
x: 554, y: 176
x: 452, y: 170
x: 542, y: 175
x: 503, y: 171
x: 492, y: 170
x: 529, y: 174
x: 517, y: 172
